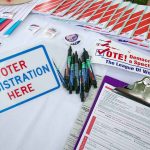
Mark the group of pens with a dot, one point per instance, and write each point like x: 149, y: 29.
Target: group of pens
x: 79, y: 75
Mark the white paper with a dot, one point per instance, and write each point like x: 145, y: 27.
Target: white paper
x: 117, y: 123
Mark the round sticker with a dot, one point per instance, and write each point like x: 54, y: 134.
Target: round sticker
x: 72, y: 39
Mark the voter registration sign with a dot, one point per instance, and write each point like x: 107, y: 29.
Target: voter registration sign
x: 26, y: 76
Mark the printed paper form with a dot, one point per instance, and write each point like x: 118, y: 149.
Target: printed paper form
x: 116, y: 123
x: 74, y: 134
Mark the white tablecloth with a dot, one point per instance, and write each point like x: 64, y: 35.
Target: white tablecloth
x: 45, y: 123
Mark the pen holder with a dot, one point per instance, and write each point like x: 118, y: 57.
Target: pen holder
x: 12, y: 2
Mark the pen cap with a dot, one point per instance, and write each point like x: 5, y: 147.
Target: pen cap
x: 12, y: 2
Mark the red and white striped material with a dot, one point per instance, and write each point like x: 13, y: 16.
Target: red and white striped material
x: 108, y: 13
x: 128, y: 22
x: 83, y: 11
x: 90, y: 10
x: 131, y: 24
x: 122, y: 19
x: 67, y: 5
x: 74, y: 9
x: 86, y: 5
x: 141, y: 31
x: 100, y: 11
x: 115, y: 18
x: 47, y: 6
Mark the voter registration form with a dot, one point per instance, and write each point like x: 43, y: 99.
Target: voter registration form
x: 116, y: 123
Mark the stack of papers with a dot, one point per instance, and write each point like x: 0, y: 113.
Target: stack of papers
x: 115, y: 121
x: 125, y: 21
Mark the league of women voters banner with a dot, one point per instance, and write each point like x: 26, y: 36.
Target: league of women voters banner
x: 111, y: 53
x: 26, y: 75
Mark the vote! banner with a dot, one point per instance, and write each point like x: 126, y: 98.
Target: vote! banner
x: 111, y: 53
x: 25, y: 76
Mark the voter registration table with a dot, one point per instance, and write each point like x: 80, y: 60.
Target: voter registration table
x: 45, y: 122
